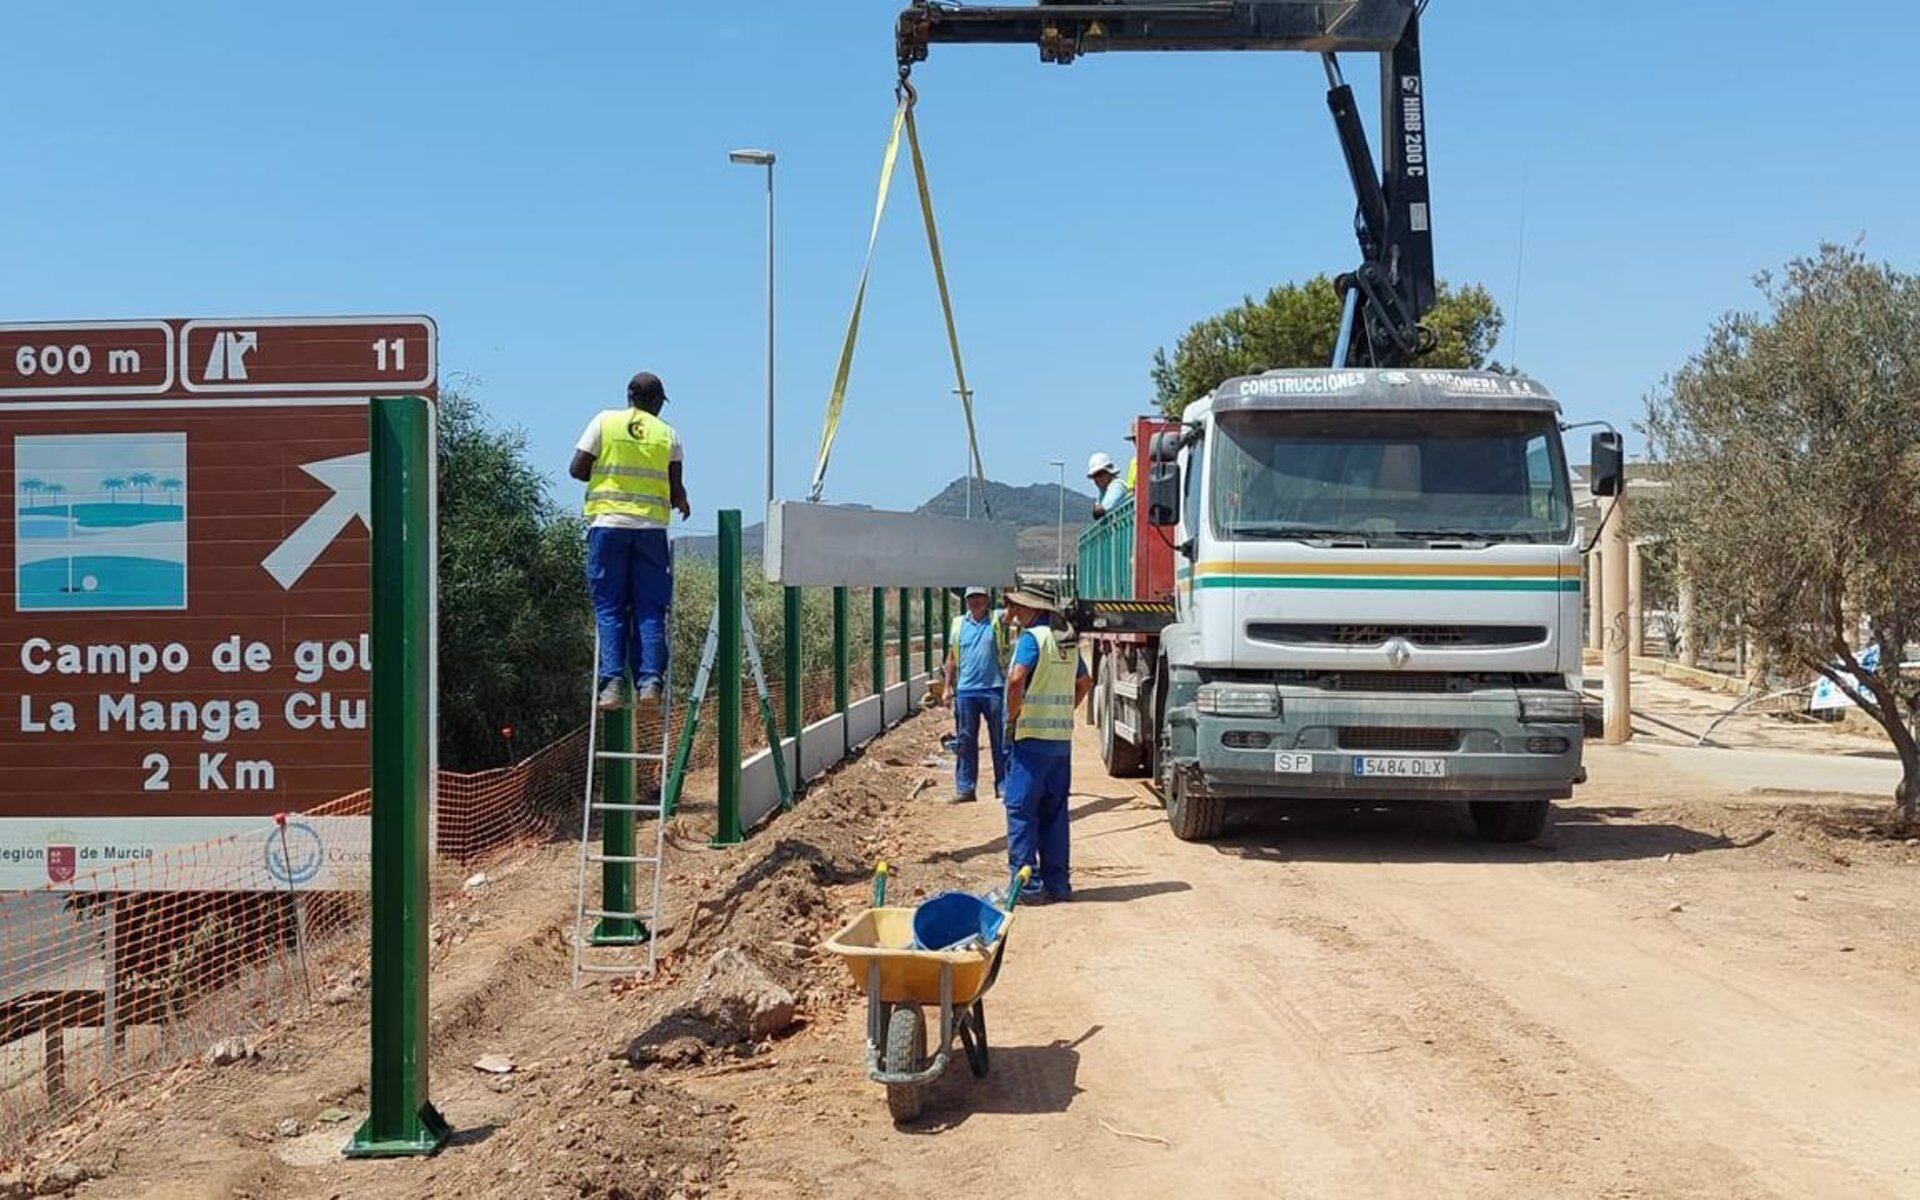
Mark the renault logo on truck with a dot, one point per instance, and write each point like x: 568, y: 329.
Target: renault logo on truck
x: 1399, y: 651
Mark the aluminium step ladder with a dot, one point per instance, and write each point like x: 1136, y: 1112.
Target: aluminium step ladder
x: 617, y: 921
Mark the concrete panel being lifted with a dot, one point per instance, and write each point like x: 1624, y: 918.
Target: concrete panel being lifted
x: 825, y: 545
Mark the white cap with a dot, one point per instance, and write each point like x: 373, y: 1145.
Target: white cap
x: 1100, y: 462
x: 974, y: 591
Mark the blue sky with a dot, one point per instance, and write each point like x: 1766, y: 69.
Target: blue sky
x: 551, y: 183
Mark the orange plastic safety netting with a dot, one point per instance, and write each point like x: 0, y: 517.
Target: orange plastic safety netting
x: 118, y: 972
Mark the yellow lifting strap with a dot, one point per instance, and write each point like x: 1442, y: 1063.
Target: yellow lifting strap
x: 836, y: 401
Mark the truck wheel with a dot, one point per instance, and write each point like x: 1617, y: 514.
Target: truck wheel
x: 1122, y: 758
x: 906, y: 1053
x: 1193, y: 814
x: 1510, y: 820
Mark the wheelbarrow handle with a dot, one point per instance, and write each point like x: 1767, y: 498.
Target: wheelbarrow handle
x: 1016, y: 885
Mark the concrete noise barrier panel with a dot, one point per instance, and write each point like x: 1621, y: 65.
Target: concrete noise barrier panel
x: 825, y: 545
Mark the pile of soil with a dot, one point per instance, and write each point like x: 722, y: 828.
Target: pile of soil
x: 610, y: 1133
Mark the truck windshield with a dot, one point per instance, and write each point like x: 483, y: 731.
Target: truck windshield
x: 1391, y: 476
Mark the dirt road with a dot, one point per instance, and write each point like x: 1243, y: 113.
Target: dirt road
x: 1353, y: 1003
x: 1690, y: 988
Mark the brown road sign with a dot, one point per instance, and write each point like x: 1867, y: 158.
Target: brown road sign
x: 183, y: 641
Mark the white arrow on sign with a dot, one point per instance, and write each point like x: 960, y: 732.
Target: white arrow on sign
x: 348, y: 476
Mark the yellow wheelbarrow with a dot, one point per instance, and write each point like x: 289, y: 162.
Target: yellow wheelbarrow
x: 900, y: 980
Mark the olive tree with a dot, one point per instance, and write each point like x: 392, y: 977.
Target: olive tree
x: 1792, y: 441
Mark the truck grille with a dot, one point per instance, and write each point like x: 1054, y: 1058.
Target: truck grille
x: 1386, y: 737
x: 1395, y: 681
x: 1434, y: 637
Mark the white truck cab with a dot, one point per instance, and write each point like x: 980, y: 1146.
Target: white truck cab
x: 1377, y: 596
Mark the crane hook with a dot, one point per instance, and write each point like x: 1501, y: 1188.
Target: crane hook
x: 904, y: 91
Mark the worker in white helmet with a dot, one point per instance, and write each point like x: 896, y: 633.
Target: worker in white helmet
x: 1106, y: 480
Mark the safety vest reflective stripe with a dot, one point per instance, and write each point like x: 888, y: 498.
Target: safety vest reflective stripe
x: 630, y: 476
x: 1046, y: 712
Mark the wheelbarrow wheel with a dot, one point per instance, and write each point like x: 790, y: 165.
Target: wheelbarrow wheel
x: 906, y: 1053
x: 973, y: 1039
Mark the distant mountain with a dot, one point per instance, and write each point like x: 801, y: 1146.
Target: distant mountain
x: 1035, y: 504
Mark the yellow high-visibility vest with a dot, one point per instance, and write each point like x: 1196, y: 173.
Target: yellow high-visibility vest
x: 1047, y: 710
x: 1133, y: 472
x: 630, y: 473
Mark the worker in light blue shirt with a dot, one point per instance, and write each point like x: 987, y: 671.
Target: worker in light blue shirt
x: 977, y: 680
x: 1107, y: 481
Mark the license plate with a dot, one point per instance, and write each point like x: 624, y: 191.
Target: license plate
x: 1399, y: 768
x: 1285, y: 763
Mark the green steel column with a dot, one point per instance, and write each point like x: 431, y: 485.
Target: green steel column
x: 926, y: 630
x: 617, y: 893
x: 946, y: 621
x: 906, y: 637
x: 400, y: 1119
x: 879, y: 664
x: 840, y: 664
x: 726, y: 673
x: 796, y: 685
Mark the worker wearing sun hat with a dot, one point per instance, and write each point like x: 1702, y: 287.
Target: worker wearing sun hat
x: 976, y: 678
x: 1106, y: 477
x: 1045, y: 683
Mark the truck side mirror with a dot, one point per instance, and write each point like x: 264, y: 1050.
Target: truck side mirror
x: 1165, y: 447
x: 1608, y: 460
x: 1163, y: 492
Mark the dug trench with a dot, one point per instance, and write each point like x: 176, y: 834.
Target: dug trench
x: 615, y: 1089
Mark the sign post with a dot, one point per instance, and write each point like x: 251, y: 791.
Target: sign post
x: 400, y: 1119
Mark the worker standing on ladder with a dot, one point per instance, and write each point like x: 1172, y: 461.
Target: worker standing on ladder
x: 630, y: 461
x: 1046, y: 682
x: 977, y: 680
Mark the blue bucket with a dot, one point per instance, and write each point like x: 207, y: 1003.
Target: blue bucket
x: 951, y: 918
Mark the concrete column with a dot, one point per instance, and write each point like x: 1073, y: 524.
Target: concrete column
x: 1689, y: 630
x: 1596, y: 594
x: 1636, y: 611
x: 1613, y: 589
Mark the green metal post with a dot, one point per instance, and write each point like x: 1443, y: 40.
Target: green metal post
x: 906, y: 637
x: 946, y: 622
x: 400, y: 1119
x: 617, y: 892
x: 840, y: 664
x: 879, y: 665
x: 926, y: 630
x: 726, y: 670
x: 795, y: 685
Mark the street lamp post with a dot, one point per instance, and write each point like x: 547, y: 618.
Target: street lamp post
x: 1060, y: 526
x: 765, y: 158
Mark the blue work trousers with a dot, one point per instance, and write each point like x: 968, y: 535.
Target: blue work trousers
x: 630, y: 578
x: 1039, y: 779
x: 970, y: 708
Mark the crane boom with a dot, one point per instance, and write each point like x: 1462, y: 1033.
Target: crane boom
x: 1393, y: 288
